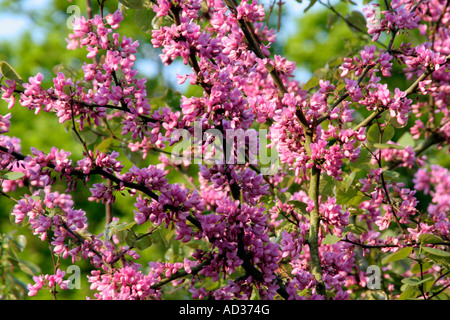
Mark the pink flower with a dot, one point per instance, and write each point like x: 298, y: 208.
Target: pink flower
x: 8, y: 90
x: 114, y: 19
x: 162, y: 8
x: 5, y: 123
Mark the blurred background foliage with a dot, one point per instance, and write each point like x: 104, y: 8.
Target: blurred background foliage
x: 315, y: 41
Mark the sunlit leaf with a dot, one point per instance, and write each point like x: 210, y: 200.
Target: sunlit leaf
x: 429, y: 238
x: 415, y: 281
x: 103, y: 146
x: 144, y: 242
x: 135, y: 4
x: 421, y: 267
x: 330, y: 239
x: 13, y: 175
x: 143, y: 19
x: 311, y: 4
x: 387, y: 146
x: 8, y: 72
x: 356, y: 21
x: 311, y: 83
x: 110, y: 229
x: 399, y: 255
x: 436, y: 252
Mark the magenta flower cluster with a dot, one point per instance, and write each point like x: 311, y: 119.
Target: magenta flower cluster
x: 250, y: 225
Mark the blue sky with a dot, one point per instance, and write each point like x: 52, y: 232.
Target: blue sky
x: 12, y: 25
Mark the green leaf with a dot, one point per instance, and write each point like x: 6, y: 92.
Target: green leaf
x: 332, y: 19
x: 429, y: 238
x: 158, y: 237
x: 444, y: 261
x: 67, y: 89
x: 284, y: 196
x: 298, y: 204
x: 144, y: 242
x: 387, y: 146
x: 301, y: 208
x: 36, y: 198
x: 110, y: 229
x: 143, y: 19
x: 391, y: 174
x: 321, y: 72
x: 399, y: 255
x: 121, y: 235
x: 339, y: 87
x: 135, y: 4
x: 20, y: 241
x: 436, y: 252
x: 425, y: 267
x: 29, y: 267
x: 388, y: 133
x: 311, y: 3
x: 415, y: 281
x: 347, y: 180
x: 86, y: 135
x: 130, y: 238
x: 373, y: 134
x: 13, y: 175
x: 330, y: 239
x: 42, y: 194
x: 353, y: 228
x: 124, y: 226
x: 336, y: 62
x: 134, y: 157
x: 326, y: 185
x: 406, y: 140
x: 103, y: 146
x: 347, y: 197
x: 55, y: 211
x: 8, y: 72
x: 356, y: 21
x: 311, y: 83
x: 410, y: 292
x: 362, y: 161
x: 442, y: 296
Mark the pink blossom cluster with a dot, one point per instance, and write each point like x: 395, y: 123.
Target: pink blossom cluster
x: 433, y: 53
x: 236, y: 230
x: 126, y: 283
x: 49, y: 281
x: 436, y: 182
x: 129, y: 283
x: 334, y: 217
x: 398, y: 17
x: 405, y: 156
x: 11, y: 144
x: 338, y: 261
x: 242, y: 87
x: 376, y: 94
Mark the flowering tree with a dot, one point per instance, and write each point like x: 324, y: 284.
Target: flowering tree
x: 297, y: 191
